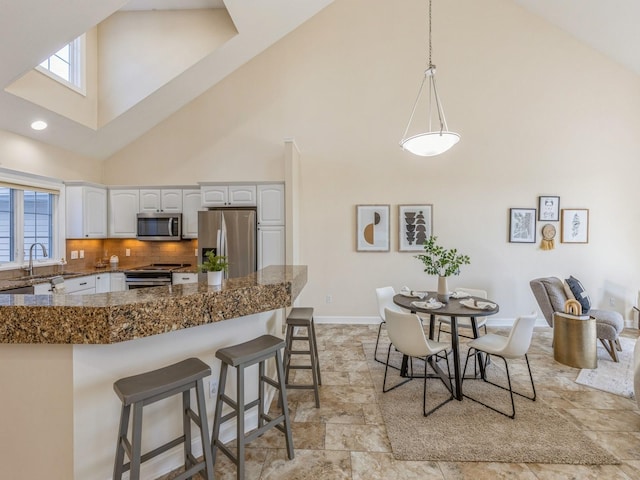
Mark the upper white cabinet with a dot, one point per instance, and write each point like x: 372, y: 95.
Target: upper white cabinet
x: 191, y: 204
x: 86, y: 211
x: 161, y: 200
x: 271, y: 205
x: 228, y: 195
x: 123, y: 208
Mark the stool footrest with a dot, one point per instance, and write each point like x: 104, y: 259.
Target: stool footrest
x: 155, y: 452
x: 300, y: 367
x: 297, y: 385
x: 300, y: 352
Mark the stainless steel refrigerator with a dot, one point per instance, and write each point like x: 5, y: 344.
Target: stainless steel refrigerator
x: 230, y: 232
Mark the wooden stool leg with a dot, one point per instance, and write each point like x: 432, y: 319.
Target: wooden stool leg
x: 287, y: 351
x: 204, y: 429
x: 240, y: 421
x: 261, y: 393
x: 136, y: 442
x: 122, y: 434
x: 315, y: 349
x: 186, y: 428
x: 217, y: 418
x: 285, y: 408
x: 315, y: 371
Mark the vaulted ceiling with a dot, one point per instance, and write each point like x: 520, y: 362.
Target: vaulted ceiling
x: 31, y: 30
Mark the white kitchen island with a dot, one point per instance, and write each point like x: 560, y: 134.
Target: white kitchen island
x: 59, y: 411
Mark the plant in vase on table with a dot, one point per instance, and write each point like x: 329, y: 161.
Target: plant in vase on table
x: 215, y: 266
x: 443, y: 263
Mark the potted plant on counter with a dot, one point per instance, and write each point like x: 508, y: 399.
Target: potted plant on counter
x: 215, y: 266
x: 443, y: 263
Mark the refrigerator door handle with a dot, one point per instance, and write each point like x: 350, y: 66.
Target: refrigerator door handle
x: 223, y: 241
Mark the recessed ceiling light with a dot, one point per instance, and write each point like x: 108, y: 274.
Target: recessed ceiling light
x: 39, y: 125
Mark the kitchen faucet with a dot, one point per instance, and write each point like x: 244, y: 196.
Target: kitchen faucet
x: 44, y: 253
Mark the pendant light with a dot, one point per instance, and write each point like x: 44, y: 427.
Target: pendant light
x: 435, y: 140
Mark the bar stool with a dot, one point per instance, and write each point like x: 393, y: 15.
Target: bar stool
x: 241, y: 356
x: 302, y: 317
x: 149, y: 387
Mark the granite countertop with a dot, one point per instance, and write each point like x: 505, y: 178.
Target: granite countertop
x: 105, y: 318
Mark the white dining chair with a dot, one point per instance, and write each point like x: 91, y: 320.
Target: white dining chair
x: 407, y: 337
x: 385, y: 300
x: 516, y: 345
x: 465, y: 322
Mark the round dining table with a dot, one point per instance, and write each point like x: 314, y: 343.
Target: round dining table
x: 454, y: 310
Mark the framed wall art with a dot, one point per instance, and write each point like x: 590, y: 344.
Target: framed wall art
x: 415, y: 226
x: 548, y: 209
x: 522, y: 225
x: 372, y: 228
x: 575, y: 225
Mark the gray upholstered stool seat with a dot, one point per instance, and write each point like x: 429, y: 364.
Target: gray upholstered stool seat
x: 146, y: 388
x: 302, y: 317
x: 241, y: 356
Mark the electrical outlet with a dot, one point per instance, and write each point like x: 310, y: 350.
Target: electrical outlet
x: 213, y: 388
x: 196, y: 252
x: 612, y: 302
x: 328, y: 299
x: 74, y: 254
x: 81, y: 253
x: 127, y: 252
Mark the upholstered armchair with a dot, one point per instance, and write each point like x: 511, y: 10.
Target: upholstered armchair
x: 551, y: 297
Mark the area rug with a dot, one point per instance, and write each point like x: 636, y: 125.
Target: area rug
x: 468, y: 432
x: 612, y: 377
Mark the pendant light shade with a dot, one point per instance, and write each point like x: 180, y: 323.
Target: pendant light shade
x: 436, y: 138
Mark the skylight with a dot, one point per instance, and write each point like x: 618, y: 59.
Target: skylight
x: 67, y: 65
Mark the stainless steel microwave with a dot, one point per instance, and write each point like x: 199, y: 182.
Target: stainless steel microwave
x: 159, y: 226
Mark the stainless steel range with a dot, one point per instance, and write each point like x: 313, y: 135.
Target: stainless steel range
x: 154, y: 275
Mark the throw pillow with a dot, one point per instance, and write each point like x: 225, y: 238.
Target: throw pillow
x: 567, y: 291
x: 579, y: 293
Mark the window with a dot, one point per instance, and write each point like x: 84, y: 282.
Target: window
x: 29, y: 214
x: 67, y: 65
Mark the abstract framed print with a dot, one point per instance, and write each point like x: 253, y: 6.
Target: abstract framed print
x: 522, y: 225
x: 575, y: 225
x: 415, y: 226
x: 372, y: 228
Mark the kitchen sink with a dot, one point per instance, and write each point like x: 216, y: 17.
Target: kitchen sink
x: 50, y: 275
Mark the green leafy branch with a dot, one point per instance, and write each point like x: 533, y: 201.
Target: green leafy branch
x: 439, y: 261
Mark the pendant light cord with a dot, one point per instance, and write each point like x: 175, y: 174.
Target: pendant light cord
x: 430, y: 64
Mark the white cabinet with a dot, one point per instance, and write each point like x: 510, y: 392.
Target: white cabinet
x: 191, y: 204
x: 118, y: 282
x: 271, y: 241
x: 80, y: 285
x: 271, y: 221
x: 103, y: 282
x: 271, y: 204
x: 228, y: 195
x: 161, y: 200
x: 42, y: 289
x: 123, y: 208
x: 86, y: 211
x: 182, y: 278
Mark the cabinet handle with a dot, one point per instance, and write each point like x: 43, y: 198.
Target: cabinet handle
x: 83, y: 283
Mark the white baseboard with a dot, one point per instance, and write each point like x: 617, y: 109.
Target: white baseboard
x: 368, y: 320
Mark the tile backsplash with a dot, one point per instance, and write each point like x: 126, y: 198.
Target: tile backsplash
x: 141, y: 253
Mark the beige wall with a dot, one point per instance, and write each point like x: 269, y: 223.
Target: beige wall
x: 53, y: 95
x: 539, y: 114
x: 25, y: 155
x: 140, y: 51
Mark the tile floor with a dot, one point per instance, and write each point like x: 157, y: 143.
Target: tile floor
x: 346, y: 439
